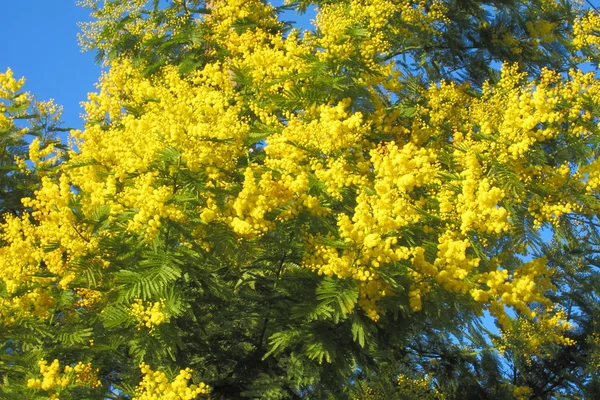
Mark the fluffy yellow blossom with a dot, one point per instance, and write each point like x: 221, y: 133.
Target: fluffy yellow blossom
x: 156, y: 386
x: 53, y: 380
x: 361, y: 28
x: 148, y: 314
x: 9, y: 86
x: 585, y: 31
x: 88, y: 297
x: 534, y: 337
x: 13, y: 104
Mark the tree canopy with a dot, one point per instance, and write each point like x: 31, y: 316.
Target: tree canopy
x: 398, y: 203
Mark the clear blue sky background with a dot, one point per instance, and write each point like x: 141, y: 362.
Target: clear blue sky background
x: 38, y: 40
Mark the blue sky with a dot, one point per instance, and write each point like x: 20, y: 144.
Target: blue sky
x: 38, y: 40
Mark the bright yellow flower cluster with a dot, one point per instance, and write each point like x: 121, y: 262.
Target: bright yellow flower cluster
x: 88, y: 297
x: 255, y: 201
x: 23, y: 256
x: 524, y: 286
x: 327, y: 129
x: 9, y: 86
x: 209, y: 138
x: 543, y: 30
x: 51, y: 208
x: 334, y: 128
x: 22, y: 249
x: 531, y: 337
x: 411, y: 184
x: 585, y: 32
x: 54, y: 380
x: 156, y: 386
x: 271, y: 61
x: 36, y: 303
x: 186, y: 114
x: 225, y: 13
x: 362, y: 27
x: 9, y: 95
x: 149, y: 315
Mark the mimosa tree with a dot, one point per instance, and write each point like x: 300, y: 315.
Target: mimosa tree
x: 255, y: 211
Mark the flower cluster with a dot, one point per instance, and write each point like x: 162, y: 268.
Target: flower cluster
x: 156, y: 386
x: 53, y: 380
x: 585, y: 31
x: 149, y: 315
x: 362, y: 28
x: 536, y: 337
x: 10, y: 96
